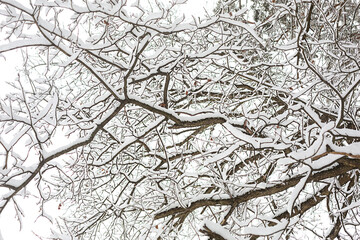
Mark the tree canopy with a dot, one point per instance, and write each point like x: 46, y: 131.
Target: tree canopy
x: 242, y: 124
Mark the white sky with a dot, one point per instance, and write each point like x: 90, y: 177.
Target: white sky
x: 9, y: 62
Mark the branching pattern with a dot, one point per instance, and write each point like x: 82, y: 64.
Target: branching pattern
x: 230, y: 126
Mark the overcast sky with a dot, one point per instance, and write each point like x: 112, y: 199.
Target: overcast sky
x: 9, y: 63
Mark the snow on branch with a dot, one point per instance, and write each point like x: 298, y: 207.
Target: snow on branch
x: 135, y: 121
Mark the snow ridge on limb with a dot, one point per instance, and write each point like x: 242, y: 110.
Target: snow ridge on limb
x: 237, y: 125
